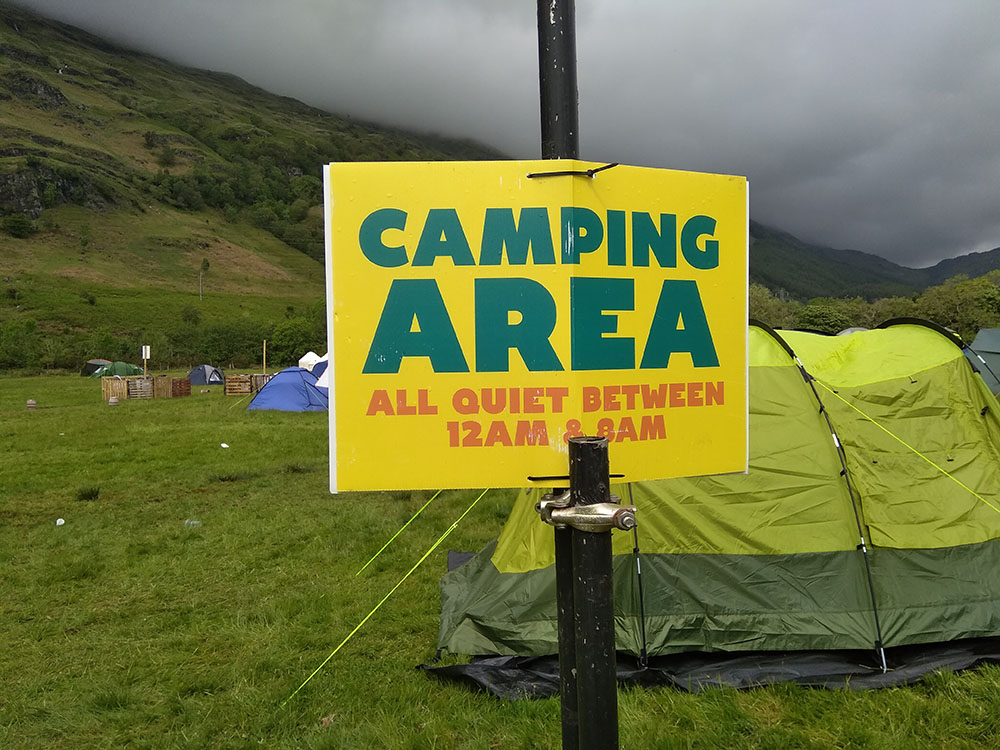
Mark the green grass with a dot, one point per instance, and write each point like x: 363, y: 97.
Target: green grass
x: 126, y: 627
x: 161, y: 251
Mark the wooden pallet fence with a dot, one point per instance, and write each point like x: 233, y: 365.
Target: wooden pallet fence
x: 139, y: 387
x: 162, y: 387
x: 242, y: 385
x: 238, y: 385
x: 112, y: 386
x: 259, y: 381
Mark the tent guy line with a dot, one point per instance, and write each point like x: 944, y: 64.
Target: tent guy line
x: 385, y: 598
x: 393, y: 538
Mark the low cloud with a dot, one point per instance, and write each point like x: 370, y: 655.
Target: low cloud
x: 861, y: 125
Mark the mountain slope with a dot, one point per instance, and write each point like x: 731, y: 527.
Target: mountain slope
x: 88, y: 123
x: 122, y: 174
x: 784, y: 263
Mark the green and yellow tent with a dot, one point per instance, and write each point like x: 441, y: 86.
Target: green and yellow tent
x: 869, y: 519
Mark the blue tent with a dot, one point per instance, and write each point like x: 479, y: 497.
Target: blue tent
x: 293, y: 389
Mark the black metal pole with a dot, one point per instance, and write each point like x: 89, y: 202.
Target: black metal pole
x: 596, y: 685
x: 566, y: 625
x: 557, y: 79
x: 560, y: 140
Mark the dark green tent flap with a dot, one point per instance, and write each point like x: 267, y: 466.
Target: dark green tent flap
x: 984, y: 353
x: 93, y: 365
x: 121, y: 369
x: 870, y: 517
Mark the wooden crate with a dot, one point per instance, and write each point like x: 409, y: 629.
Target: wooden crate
x: 139, y: 387
x: 162, y: 387
x: 114, y: 386
x: 241, y: 385
x: 180, y: 387
x: 238, y: 385
x: 259, y: 381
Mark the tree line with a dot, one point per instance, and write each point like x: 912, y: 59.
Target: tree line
x: 962, y: 304
x: 185, y: 342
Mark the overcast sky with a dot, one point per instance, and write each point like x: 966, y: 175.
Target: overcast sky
x: 872, y: 125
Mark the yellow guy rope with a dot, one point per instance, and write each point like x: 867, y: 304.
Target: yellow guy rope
x: 397, y: 533
x: 386, y: 597
x: 911, y: 448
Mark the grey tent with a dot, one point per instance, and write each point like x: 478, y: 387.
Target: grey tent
x: 987, y: 346
x: 206, y: 375
x: 93, y: 365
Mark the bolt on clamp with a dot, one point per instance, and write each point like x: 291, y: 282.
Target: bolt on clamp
x: 557, y: 511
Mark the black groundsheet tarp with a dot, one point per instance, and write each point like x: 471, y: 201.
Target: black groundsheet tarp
x: 516, y: 677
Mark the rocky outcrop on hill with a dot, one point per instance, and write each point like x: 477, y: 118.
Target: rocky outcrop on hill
x: 23, y: 55
x: 33, y: 90
x: 30, y: 190
x: 19, y: 194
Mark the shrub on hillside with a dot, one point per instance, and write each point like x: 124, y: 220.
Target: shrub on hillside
x: 103, y: 342
x: 20, y: 344
x: 238, y: 342
x: 291, y: 339
x: 18, y: 225
x: 190, y: 315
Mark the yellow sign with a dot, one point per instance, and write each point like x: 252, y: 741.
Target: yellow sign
x: 482, y: 313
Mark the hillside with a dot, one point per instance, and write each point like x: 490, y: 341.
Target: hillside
x: 122, y: 174
x: 782, y: 262
x: 146, y: 203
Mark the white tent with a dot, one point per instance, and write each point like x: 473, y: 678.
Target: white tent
x: 319, y: 368
x: 309, y: 359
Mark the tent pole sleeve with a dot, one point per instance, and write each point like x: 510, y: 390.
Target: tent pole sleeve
x: 643, y: 654
x: 862, y: 546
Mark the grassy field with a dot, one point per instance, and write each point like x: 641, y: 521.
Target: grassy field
x: 126, y: 627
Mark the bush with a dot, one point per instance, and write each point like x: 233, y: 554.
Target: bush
x: 18, y: 225
x: 237, y: 342
x: 50, y: 195
x: 190, y: 315
x: 291, y: 339
x: 167, y: 157
x: 822, y: 317
x: 20, y: 344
